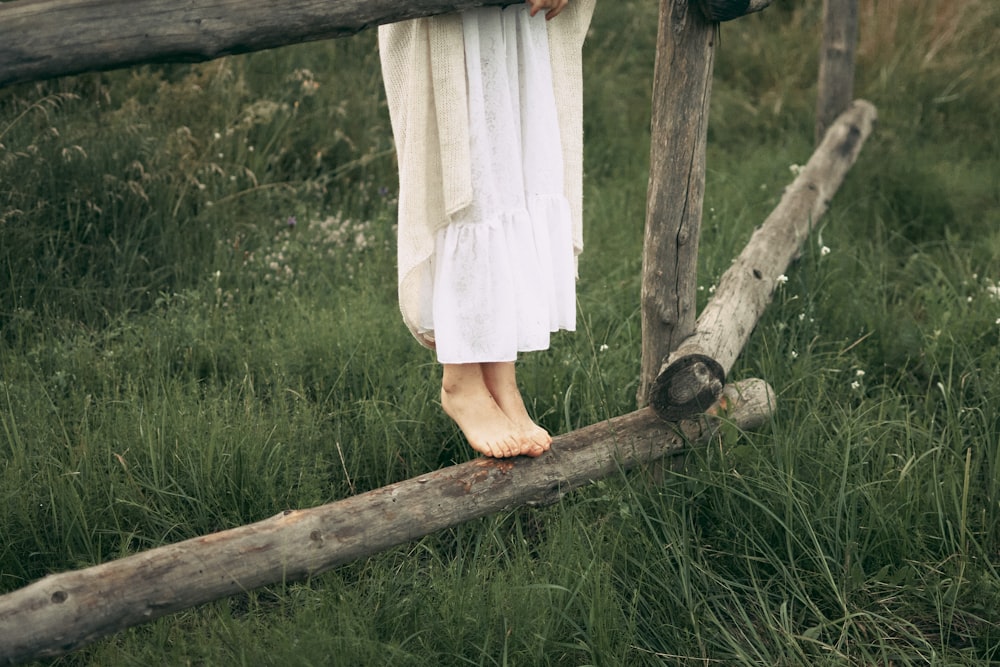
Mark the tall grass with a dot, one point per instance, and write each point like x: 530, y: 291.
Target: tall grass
x: 199, y: 329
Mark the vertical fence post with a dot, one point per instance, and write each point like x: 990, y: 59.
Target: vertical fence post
x: 682, y: 84
x: 836, y: 62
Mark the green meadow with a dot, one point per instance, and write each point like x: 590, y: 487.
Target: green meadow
x: 199, y: 329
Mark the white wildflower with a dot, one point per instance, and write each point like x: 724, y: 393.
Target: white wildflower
x: 860, y: 373
x: 855, y: 385
x: 604, y: 347
x: 782, y: 279
x: 824, y: 251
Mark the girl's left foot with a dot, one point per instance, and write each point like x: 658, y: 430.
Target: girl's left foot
x: 501, y: 380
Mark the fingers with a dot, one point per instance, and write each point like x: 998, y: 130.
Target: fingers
x: 552, y: 7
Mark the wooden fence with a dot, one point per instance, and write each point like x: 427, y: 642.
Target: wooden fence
x: 684, y: 359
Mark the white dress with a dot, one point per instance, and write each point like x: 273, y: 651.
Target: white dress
x: 502, y: 276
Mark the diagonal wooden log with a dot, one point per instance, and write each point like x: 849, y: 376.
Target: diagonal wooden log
x: 40, y: 39
x: 692, y: 376
x: 63, y: 612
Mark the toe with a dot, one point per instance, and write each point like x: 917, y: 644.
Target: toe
x: 510, y: 447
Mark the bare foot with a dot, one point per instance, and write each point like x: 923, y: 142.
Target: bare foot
x: 501, y: 381
x: 468, y: 402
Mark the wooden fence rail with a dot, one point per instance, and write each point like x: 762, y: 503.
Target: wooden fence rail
x: 40, y: 39
x: 63, y: 612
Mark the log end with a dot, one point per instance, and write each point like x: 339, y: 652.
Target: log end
x: 687, y: 387
x: 727, y: 10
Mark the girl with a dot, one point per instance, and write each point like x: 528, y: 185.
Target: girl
x: 486, y: 111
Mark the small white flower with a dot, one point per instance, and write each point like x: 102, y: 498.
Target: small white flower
x: 217, y: 135
x: 824, y: 251
x: 968, y: 299
x: 855, y: 385
x: 782, y: 279
x: 711, y: 289
x: 802, y: 317
x: 860, y: 373
x: 793, y: 354
x: 604, y: 347
x: 998, y: 321
x: 795, y: 169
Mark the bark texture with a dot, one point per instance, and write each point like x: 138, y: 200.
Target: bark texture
x: 41, y: 39
x: 682, y: 86
x: 746, y: 288
x: 65, y: 611
x: 836, y: 62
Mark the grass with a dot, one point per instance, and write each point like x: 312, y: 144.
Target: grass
x: 198, y: 329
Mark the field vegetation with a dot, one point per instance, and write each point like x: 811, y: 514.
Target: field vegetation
x: 199, y: 329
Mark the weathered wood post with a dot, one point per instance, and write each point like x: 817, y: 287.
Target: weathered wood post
x: 682, y: 86
x: 836, y: 62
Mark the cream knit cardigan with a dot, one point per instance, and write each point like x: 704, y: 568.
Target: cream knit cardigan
x: 423, y: 66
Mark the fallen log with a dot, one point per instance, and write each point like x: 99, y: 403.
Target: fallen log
x: 66, y: 611
x: 41, y: 39
x: 692, y: 376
